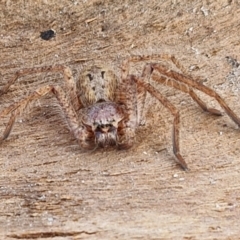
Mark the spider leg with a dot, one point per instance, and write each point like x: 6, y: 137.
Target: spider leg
x: 141, y: 58
x: 126, y: 96
x: 186, y: 89
x: 147, y: 72
x: 141, y: 91
x: 80, y: 132
x: 8, y: 128
x: 68, y: 80
x: 199, y: 86
x: 176, y: 123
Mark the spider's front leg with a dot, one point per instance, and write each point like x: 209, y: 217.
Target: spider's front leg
x: 176, y: 123
x: 80, y: 132
x: 126, y: 97
x: 140, y: 92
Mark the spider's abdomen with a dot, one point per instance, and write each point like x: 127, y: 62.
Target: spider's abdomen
x: 97, y: 83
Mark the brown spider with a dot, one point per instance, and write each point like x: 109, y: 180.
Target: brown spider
x: 100, y: 111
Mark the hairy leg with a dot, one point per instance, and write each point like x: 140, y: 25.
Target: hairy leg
x: 174, y: 112
x: 146, y: 74
x: 140, y: 58
x: 126, y: 96
x: 80, y: 132
x: 68, y: 80
x: 185, y: 79
x: 140, y: 92
x: 186, y: 89
x: 199, y: 86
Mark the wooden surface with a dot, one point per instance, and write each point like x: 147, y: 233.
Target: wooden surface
x: 50, y: 189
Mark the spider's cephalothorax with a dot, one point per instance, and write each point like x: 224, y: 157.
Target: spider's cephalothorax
x: 103, y: 111
x: 96, y: 83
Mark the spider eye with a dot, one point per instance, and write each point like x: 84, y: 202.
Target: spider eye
x: 90, y: 76
x: 102, y: 73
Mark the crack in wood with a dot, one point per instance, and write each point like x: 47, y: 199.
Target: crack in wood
x: 36, y: 235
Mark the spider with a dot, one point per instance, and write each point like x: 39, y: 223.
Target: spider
x: 102, y: 111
